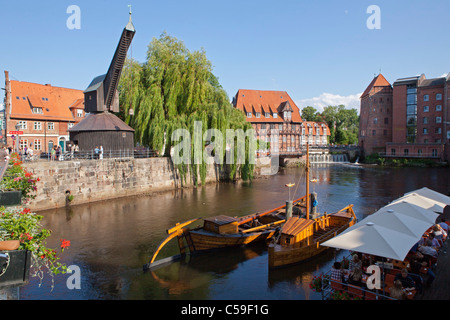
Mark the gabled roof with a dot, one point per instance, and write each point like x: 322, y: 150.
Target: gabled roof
x: 54, y: 101
x: 378, y: 81
x: 263, y: 101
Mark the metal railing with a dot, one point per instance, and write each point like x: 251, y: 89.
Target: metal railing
x: 92, y: 155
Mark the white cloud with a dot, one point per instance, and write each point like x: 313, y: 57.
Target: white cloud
x: 329, y: 99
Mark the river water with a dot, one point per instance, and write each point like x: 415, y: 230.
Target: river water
x: 112, y: 240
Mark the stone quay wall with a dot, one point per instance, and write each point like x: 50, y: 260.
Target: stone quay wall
x: 97, y: 180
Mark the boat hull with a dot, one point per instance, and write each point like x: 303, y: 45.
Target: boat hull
x: 281, y: 256
x: 203, y: 240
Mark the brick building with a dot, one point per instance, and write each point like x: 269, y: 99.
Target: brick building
x: 43, y: 113
x: 276, y: 119
x: 375, y: 120
x: 420, y: 119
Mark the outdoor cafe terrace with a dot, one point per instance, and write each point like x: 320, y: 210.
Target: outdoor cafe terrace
x: 396, y: 240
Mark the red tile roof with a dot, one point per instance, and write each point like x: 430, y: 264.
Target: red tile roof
x: 311, y: 125
x: 54, y: 101
x: 263, y: 101
x: 378, y: 81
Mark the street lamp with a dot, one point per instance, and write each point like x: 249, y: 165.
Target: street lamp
x: 18, y: 138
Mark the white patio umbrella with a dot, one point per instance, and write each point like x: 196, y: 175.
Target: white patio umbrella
x: 421, y: 201
x: 427, y: 216
x: 431, y: 194
x: 404, y: 218
x: 374, y: 239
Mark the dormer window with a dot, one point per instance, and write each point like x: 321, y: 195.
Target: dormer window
x: 36, y: 110
x: 258, y: 115
x: 267, y: 115
x: 275, y: 115
x: 249, y: 114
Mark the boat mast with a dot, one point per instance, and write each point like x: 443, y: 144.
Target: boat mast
x: 307, y: 181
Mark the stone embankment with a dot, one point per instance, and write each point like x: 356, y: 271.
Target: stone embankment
x: 95, y: 180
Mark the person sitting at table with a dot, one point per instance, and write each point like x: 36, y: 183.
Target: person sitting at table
x: 397, y: 292
x: 434, y: 242
x: 406, y: 280
x: 444, y: 226
x: 355, y: 277
x: 336, y: 272
x: 355, y: 262
x: 439, y: 233
x: 427, y: 250
x: 417, y: 267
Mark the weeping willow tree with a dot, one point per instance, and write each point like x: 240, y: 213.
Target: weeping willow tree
x: 175, y: 89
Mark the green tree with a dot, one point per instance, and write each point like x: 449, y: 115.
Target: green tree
x: 343, y: 124
x: 172, y: 90
x: 310, y: 114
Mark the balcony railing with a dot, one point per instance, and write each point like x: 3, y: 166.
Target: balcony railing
x: 410, y: 155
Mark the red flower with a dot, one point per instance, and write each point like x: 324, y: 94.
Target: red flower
x: 64, y: 244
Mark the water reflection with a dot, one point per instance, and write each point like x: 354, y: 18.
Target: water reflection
x: 112, y: 240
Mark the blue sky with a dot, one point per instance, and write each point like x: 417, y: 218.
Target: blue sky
x: 320, y: 52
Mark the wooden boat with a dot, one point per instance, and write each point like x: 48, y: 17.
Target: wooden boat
x: 224, y: 231
x: 300, y: 238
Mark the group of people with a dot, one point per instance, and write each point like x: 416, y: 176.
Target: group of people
x: 422, y: 260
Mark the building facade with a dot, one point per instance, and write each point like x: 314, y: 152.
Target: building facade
x: 375, y: 122
x: 42, y: 114
x: 420, y: 119
x: 276, y: 119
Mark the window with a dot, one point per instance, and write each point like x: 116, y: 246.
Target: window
x: 275, y: 115
x: 406, y: 152
x: 434, y: 153
x: 386, y: 120
x: 439, y: 96
x: 425, y: 120
x: 280, y: 127
x: 374, y: 132
x: 258, y: 115
x: 249, y: 114
x: 438, y: 119
x: 439, y: 107
x: 37, y: 145
x: 426, y: 108
x: 267, y: 115
x: 23, y: 143
x: 50, y: 126
x: 37, y: 126
x: 438, y: 130
x: 284, y: 138
x: 426, y: 97
x: 419, y: 152
x: 71, y: 125
x: 411, y: 109
x: 375, y: 120
x: 393, y: 152
x: 22, y: 125
x: 425, y: 130
x: 292, y: 139
x: 36, y: 110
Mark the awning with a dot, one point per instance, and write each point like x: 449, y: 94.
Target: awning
x: 393, y: 230
x: 375, y: 240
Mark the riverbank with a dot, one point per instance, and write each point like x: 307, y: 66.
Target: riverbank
x: 78, y: 182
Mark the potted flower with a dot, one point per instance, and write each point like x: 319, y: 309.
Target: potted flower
x: 22, y: 225
x: 319, y: 282
x: 22, y: 237
x: 17, y: 178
